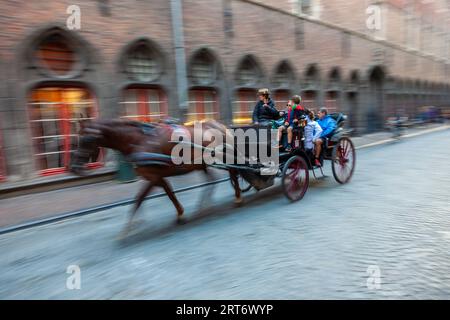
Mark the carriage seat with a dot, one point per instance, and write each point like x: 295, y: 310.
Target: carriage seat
x: 339, y: 118
x: 149, y: 159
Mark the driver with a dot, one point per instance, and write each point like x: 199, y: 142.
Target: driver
x: 265, y: 110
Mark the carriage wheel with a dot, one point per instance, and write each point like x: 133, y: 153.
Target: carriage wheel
x: 244, y: 186
x: 295, y: 179
x: 343, y: 160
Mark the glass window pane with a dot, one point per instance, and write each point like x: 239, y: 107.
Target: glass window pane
x: 54, y: 121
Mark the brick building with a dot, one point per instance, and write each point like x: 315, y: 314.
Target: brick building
x: 369, y: 59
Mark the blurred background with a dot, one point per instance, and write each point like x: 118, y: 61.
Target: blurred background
x: 201, y: 59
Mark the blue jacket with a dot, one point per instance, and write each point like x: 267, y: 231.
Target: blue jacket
x: 328, y: 125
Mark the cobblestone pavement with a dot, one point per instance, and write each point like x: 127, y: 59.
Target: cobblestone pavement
x: 394, y: 217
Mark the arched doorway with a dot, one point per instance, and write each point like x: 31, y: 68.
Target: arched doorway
x: 283, y: 81
x: 57, y: 104
x: 55, y: 112
x: 311, y: 87
x: 143, y: 99
x: 203, y: 103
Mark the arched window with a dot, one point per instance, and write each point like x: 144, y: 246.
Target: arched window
x: 249, y: 75
x: 203, y: 68
x: 55, y: 107
x: 144, y: 104
x: 143, y: 100
x: 332, y: 95
x: 243, y: 106
x: 56, y: 55
x: 311, y: 86
x: 142, y: 62
x: 54, y: 121
x: 202, y: 105
x: 284, y: 76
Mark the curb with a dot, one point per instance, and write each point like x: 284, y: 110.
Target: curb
x: 406, y: 136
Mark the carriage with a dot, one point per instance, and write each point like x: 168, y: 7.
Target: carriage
x: 149, y: 147
x: 295, y: 166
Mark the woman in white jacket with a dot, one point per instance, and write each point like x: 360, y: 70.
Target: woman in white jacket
x: 312, y: 131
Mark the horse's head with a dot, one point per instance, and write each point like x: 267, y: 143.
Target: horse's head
x: 91, y: 138
x: 121, y: 135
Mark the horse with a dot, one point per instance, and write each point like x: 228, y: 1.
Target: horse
x: 149, y: 147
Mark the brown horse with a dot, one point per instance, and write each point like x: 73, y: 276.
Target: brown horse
x: 149, y: 147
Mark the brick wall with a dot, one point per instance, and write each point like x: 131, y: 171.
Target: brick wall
x: 248, y: 28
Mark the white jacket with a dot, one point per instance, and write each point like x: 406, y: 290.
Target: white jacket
x: 312, y: 132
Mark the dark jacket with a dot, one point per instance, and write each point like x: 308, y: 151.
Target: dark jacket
x: 261, y: 113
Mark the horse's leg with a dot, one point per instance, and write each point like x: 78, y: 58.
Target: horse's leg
x: 237, y: 189
x: 139, y: 199
x: 209, y: 189
x: 168, y: 189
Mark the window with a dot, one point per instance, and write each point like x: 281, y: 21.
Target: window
x: 54, y: 121
x: 248, y: 73
x: 142, y: 63
x: 309, y: 99
x: 312, y: 77
x: 246, y: 76
x: 284, y: 76
x: 281, y: 98
x: 55, y: 54
x: 331, y: 101
x: 203, y: 69
x: 202, y: 105
x: 144, y: 104
x: 305, y: 7
x: 243, y: 106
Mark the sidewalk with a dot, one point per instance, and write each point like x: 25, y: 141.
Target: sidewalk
x: 47, y: 204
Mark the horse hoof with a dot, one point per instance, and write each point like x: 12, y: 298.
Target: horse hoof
x: 181, y: 220
x: 238, y: 201
x: 123, y: 235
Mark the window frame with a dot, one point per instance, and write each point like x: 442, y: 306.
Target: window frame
x: 64, y: 130
x: 144, y: 102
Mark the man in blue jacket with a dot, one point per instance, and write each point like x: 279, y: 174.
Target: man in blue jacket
x: 328, y: 125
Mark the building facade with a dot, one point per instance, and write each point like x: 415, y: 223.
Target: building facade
x: 369, y: 59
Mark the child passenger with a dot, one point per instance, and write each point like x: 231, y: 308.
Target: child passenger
x: 292, y: 116
x: 312, y: 131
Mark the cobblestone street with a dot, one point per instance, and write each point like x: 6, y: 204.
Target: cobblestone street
x: 394, y: 217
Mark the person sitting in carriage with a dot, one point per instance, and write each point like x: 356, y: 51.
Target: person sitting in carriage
x: 328, y: 125
x: 292, y: 116
x: 312, y: 132
x: 265, y: 111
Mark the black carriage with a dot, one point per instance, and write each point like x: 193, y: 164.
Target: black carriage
x: 295, y: 166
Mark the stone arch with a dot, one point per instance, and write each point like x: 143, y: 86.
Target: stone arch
x: 249, y: 72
